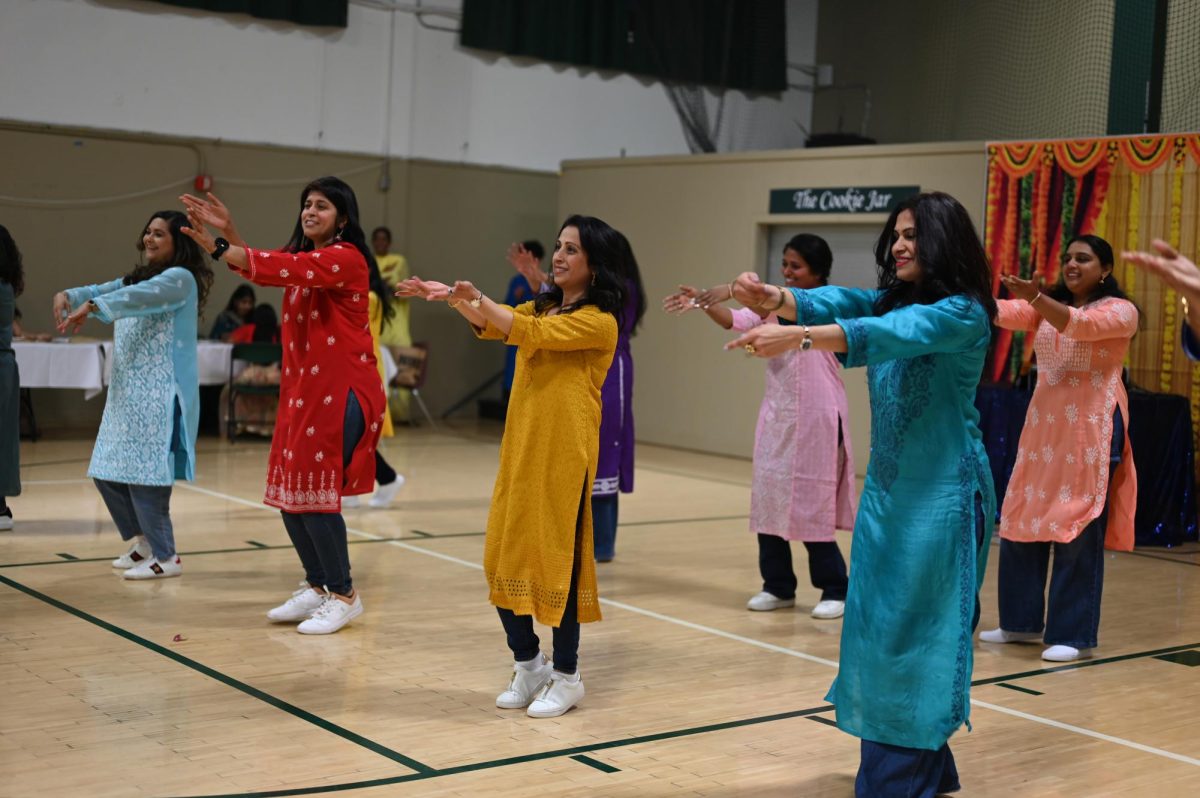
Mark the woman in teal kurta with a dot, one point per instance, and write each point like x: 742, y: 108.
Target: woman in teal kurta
x: 147, y: 436
x: 920, y: 541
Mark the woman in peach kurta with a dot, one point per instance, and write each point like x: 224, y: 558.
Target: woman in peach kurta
x: 1073, y: 487
x: 538, y: 554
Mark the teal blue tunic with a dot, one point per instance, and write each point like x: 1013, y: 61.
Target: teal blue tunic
x: 148, y: 432
x: 10, y: 399
x: 906, y: 658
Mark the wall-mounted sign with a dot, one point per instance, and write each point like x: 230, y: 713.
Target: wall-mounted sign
x: 856, y: 199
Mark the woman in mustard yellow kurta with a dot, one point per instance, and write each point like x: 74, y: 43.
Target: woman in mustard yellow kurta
x: 538, y: 555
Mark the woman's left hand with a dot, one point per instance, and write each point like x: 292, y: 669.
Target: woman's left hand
x: 769, y: 340
x: 463, y: 291
x: 71, y: 324
x: 1021, y: 289
x: 429, y: 290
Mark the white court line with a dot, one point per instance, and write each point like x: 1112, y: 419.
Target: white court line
x: 55, y: 481
x: 747, y: 640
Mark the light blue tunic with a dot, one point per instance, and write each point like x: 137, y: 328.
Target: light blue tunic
x: 915, y: 567
x: 148, y: 433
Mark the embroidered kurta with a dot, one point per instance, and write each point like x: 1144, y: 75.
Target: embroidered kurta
x: 614, y: 470
x: 800, y: 492
x: 10, y: 399
x: 915, y: 567
x: 375, y: 314
x: 1060, y: 479
x: 548, y: 462
x: 327, y: 352
x: 148, y: 431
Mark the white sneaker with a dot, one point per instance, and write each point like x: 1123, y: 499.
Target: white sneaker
x: 332, y: 615
x: 828, y: 609
x: 1066, y: 654
x: 1004, y: 636
x: 525, y: 684
x: 6, y: 521
x: 300, y: 606
x: 384, y: 495
x: 560, y: 694
x: 765, y: 602
x: 153, y: 569
x: 350, y: 502
x: 139, y: 551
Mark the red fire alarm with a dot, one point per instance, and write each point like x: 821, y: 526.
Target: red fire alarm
x: 202, y: 182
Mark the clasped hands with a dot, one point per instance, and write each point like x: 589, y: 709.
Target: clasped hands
x: 433, y: 291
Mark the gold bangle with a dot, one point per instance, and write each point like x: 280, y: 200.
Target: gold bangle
x: 782, y: 300
x: 1183, y: 299
x: 1036, y: 298
x: 731, y: 290
x: 454, y: 302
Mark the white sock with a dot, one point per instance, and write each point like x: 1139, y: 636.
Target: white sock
x: 572, y: 678
x: 531, y: 664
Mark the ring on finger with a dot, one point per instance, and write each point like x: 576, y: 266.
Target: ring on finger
x: 750, y: 350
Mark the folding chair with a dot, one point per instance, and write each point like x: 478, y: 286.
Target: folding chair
x: 261, y: 354
x: 412, y: 366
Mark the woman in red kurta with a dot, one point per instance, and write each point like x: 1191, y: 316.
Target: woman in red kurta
x: 1073, y: 488
x: 331, y: 400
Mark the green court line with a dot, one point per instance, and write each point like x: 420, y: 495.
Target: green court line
x: 431, y: 536
x: 826, y: 721
x: 422, y: 534
x: 518, y: 760
x: 229, y: 681
x: 68, y: 557
x: 1088, y: 663
x: 1191, y: 658
x: 596, y: 763
x: 256, y: 547
x: 1018, y: 689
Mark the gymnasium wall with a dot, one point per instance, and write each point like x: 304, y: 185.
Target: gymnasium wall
x: 450, y: 220
x: 702, y: 220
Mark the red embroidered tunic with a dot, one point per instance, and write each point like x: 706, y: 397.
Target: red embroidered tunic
x: 327, y: 352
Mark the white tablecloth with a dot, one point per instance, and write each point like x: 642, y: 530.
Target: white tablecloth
x: 87, y: 366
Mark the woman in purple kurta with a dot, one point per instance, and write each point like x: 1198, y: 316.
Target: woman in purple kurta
x: 803, y: 465
x: 614, y: 474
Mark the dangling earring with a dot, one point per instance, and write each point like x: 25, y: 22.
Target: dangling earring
x: 593, y: 278
x: 338, y: 237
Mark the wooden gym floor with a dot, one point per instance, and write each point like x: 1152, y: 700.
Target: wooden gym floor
x: 181, y: 687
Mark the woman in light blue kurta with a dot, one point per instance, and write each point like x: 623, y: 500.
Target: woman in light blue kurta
x: 147, y: 436
x: 920, y: 541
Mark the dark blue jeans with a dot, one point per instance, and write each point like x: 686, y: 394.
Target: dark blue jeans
x: 893, y: 771
x: 523, y: 641
x: 1076, y: 582
x: 604, y: 527
x: 826, y: 568
x: 141, y: 510
x: 320, y: 538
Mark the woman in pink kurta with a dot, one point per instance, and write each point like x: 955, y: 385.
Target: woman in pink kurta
x: 331, y: 401
x: 1073, y: 488
x: 803, y: 466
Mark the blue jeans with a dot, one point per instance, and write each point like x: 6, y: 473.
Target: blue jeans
x: 826, y: 568
x: 1076, y: 583
x: 320, y: 538
x: 604, y: 527
x: 141, y: 510
x: 893, y: 771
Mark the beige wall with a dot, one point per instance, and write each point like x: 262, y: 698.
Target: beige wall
x: 451, y: 220
x: 702, y: 220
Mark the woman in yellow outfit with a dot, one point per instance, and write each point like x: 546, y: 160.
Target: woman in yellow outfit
x: 393, y: 268
x: 538, y: 555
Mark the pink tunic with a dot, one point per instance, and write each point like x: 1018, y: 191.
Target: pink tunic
x: 1060, y: 480
x: 803, y: 489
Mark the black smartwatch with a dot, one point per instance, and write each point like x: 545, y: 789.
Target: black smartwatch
x: 222, y: 245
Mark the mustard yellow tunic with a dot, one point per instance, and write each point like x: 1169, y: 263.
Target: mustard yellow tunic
x: 375, y: 319
x: 547, y: 463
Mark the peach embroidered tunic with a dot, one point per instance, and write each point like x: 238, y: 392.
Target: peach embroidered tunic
x: 1060, y: 480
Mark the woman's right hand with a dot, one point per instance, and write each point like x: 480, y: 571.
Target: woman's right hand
x: 751, y: 291
x: 211, y: 212
x: 429, y: 290
x: 681, y: 301
x: 61, y: 308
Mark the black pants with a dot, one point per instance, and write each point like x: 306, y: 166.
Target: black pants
x: 384, y: 473
x: 320, y: 538
x: 826, y: 568
x: 523, y: 641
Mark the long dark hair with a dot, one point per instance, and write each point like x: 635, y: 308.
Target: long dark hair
x: 949, y: 253
x: 816, y: 253
x: 1107, y: 287
x: 633, y: 283
x: 379, y: 288
x: 338, y: 192
x: 243, y: 291
x: 187, y: 254
x: 605, y: 257
x: 11, y: 270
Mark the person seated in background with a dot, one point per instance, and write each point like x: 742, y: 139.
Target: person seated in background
x: 1184, y: 276
x: 236, y: 313
x: 525, y: 285
x: 255, y: 412
x: 19, y: 333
